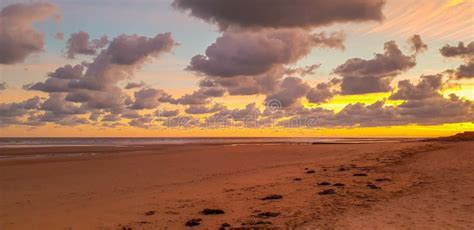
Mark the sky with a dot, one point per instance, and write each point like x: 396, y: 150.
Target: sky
x: 211, y: 68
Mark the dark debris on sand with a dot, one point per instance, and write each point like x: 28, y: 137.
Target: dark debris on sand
x: 255, y: 225
x: 150, y: 213
x: 339, y: 185
x: 373, y: 186
x: 273, y: 197
x: 211, y: 211
x: 383, y: 180
x: 193, y: 222
x: 265, y: 215
x: 327, y: 192
x: 297, y: 179
x: 324, y: 183
x: 144, y: 222
x: 224, y: 226
x: 310, y: 171
x: 360, y: 174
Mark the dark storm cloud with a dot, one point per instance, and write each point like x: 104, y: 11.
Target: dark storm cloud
x: 369, y: 76
x: 18, y: 37
x: 416, y: 44
x: 282, y: 13
x: 253, y: 53
x: 79, y: 43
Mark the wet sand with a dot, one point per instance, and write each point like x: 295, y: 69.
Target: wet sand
x: 412, y: 185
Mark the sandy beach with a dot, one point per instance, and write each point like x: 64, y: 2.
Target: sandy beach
x: 407, y: 185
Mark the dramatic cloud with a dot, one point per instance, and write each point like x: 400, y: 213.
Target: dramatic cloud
x: 461, y: 51
x: 59, y: 80
x: 124, y: 54
x: 252, y: 53
x: 466, y: 71
x: 11, y: 112
x: 303, y: 71
x: 79, y: 43
x: 282, y: 13
x: 288, y: 94
x: 166, y: 113
x: 236, y: 117
x: 416, y: 44
x: 147, y: 98
x: 426, y: 88
x: 181, y: 121
x: 324, y: 91
x: 132, y: 85
x: 59, y: 36
x: 201, y: 109
x: 18, y: 38
x: 250, y: 85
x: 436, y: 110
x: 57, y: 104
x: 3, y: 86
x: 429, y: 111
x: 93, y: 87
x: 375, y: 75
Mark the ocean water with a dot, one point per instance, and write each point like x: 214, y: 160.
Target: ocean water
x: 52, y: 142
x: 35, y: 148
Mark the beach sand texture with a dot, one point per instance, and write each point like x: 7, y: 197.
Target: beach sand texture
x: 408, y: 185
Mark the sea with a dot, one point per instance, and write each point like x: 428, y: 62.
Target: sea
x: 9, y: 145
x: 131, y: 141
